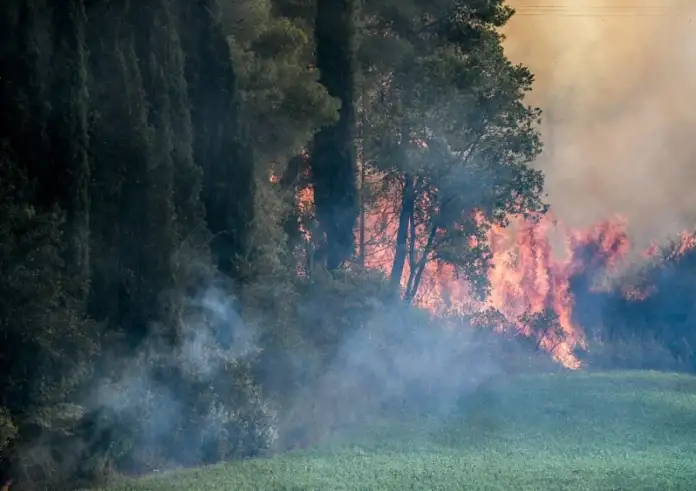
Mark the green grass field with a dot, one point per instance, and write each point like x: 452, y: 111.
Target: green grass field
x: 610, y: 431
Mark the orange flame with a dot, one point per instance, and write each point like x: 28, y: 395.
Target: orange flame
x: 530, y: 273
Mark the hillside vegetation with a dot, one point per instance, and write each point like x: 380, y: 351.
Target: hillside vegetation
x: 602, y: 431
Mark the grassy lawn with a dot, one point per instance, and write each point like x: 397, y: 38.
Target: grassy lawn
x: 610, y: 431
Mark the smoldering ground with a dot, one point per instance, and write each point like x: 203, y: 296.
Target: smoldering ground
x: 617, y: 83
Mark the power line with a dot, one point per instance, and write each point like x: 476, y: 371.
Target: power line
x: 542, y: 14
x: 596, y: 7
x: 598, y: 10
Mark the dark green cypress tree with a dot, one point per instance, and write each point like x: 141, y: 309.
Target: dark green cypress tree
x: 108, y: 126
x: 44, y: 275
x: 333, y: 155
x: 125, y: 288
x: 193, y: 234
x: 219, y: 145
x: 153, y: 27
x: 151, y: 233
x: 24, y: 106
x: 162, y: 64
x: 68, y: 133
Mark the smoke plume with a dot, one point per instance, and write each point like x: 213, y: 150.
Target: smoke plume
x: 175, y: 400
x: 617, y: 84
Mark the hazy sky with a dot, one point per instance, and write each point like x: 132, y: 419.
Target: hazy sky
x: 617, y: 82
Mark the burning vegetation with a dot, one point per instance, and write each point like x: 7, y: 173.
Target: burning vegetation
x: 557, y: 284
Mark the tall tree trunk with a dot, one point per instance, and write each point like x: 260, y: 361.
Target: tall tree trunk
x: 407, y: 208
x: 361, y: 231
x: 417, y: 268
x: 363, y: 173
x: 333, y: 155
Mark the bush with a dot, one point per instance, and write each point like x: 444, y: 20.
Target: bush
x: 400, y: 359
x: 327, y: 309
x: 8, y: 430
x: 632, y: 353
x: 48, y: 342
x: 186, y: 403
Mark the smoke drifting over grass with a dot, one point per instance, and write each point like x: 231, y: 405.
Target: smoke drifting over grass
x: 403, y: 362
x: 181, y: 402
x: 617, y: 83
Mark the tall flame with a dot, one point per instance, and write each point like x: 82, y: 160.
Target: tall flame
x: 535, y: 266
x: 527, y: 276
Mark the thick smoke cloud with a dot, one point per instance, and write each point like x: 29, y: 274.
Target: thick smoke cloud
x: 617, y: 82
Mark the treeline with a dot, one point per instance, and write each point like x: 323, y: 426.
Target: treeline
x: 648, y: 319
x: 119, y: 122
x: 163, y: 298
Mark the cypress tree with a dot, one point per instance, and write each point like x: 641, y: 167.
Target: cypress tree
x: 333, y: 155
x: 219, y: 145
x: 152, y: 29
x: 44, y: 234
x: 68, y: 133
x: 188, y: 174
x: 162, y: 62
x: 24, y: 110
x: 125, y: 225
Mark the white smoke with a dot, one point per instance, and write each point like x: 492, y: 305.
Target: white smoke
x: 617, y: 84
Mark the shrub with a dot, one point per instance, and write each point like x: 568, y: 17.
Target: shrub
x: 632, y: 353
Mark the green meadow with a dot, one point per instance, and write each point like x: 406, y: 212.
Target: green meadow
x: 609, y: 431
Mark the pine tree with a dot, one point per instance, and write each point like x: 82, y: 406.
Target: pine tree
x: 446, y: 127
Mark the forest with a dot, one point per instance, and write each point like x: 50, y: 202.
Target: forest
x: 222, y: 224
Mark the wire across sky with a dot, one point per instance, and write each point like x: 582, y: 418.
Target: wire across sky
x: 595, y: 10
